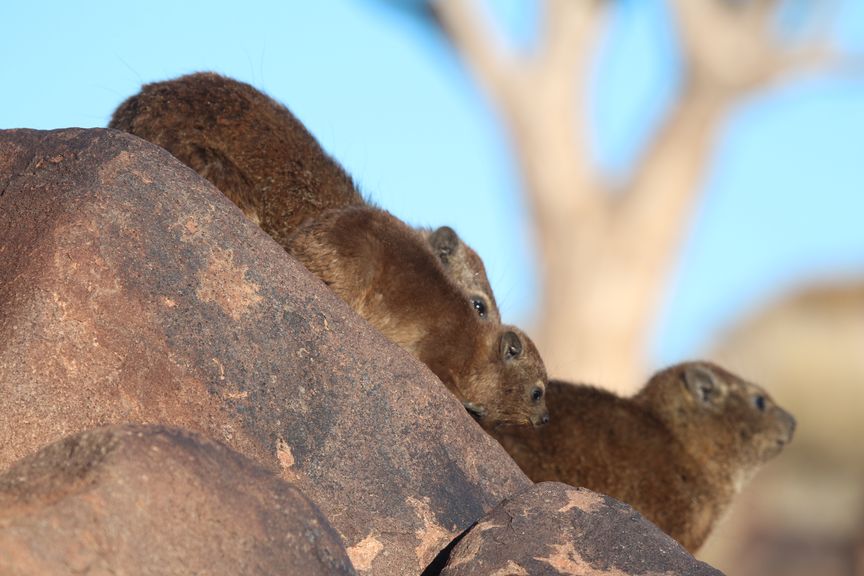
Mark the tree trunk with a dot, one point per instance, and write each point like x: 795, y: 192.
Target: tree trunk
x: 606, y: 261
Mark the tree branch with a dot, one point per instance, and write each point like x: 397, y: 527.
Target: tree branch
x: 730, y: 51
x: 470, y: 29
x: 568, y: 30
x: 540, y: 96
x: 735, y: 47
x: 659, y: 199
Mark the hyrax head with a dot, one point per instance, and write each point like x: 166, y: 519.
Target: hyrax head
x: 512, y: 387
x: 465, y: 268
x: 718, y: 416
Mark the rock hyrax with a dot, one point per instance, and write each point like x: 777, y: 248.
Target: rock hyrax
x: 264, y: 159
x: 677, y: 451
x: 248, y: 145
x: 386, y: 272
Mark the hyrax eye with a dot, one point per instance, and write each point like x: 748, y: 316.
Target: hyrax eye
x: 480, y: 306
x: 536, y: 394
x: 759, y: 402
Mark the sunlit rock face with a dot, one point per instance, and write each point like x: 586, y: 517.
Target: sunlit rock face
x: 131, y: 290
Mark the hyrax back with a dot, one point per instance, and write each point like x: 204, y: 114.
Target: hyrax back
x: 386, y: 272
x: 264, y: 159
x: 248, y: 145
x: 678, y: 451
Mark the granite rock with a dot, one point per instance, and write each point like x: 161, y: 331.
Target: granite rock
x: 148, y: 500
x: 131, y: 290
x: 555, y: 529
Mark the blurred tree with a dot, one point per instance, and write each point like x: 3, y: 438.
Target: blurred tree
x: 607, y: 247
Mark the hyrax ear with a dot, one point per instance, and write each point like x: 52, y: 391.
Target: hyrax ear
x: 703, y: 384
x: 511, y: 346
x: 444, y: 243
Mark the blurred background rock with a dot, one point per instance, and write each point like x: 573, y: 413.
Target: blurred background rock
x: 804, y: 514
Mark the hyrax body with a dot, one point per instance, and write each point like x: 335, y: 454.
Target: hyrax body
x: 249, y: 146
x: 386, y: 272
x: 257, y: 153
x: 678, y: 451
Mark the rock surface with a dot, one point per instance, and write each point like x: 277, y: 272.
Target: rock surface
x: 131, y: 290
x: 552, y: 528
x: 150, y: 500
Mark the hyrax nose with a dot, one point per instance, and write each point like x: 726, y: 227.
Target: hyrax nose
x: 543, y: 420
x: 790, y: 423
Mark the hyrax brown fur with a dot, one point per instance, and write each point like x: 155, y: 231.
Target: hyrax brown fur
x: 386, y: 272
x: 465, y: 268
x: 249, y: 146
x: 677, y: 451
x: 264, y: 159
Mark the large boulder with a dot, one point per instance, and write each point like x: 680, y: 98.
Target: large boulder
x: 131, y: 290
x: 555, y: 529
x: 150, y: 500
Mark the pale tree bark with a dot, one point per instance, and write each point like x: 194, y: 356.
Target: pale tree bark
x: 606, y: 252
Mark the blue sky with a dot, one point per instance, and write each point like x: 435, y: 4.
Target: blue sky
x: 783, y: 202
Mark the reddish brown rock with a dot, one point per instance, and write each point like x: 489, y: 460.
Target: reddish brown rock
x: 153, y: 500
x: 131, y: 290
x: 553, y: 528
